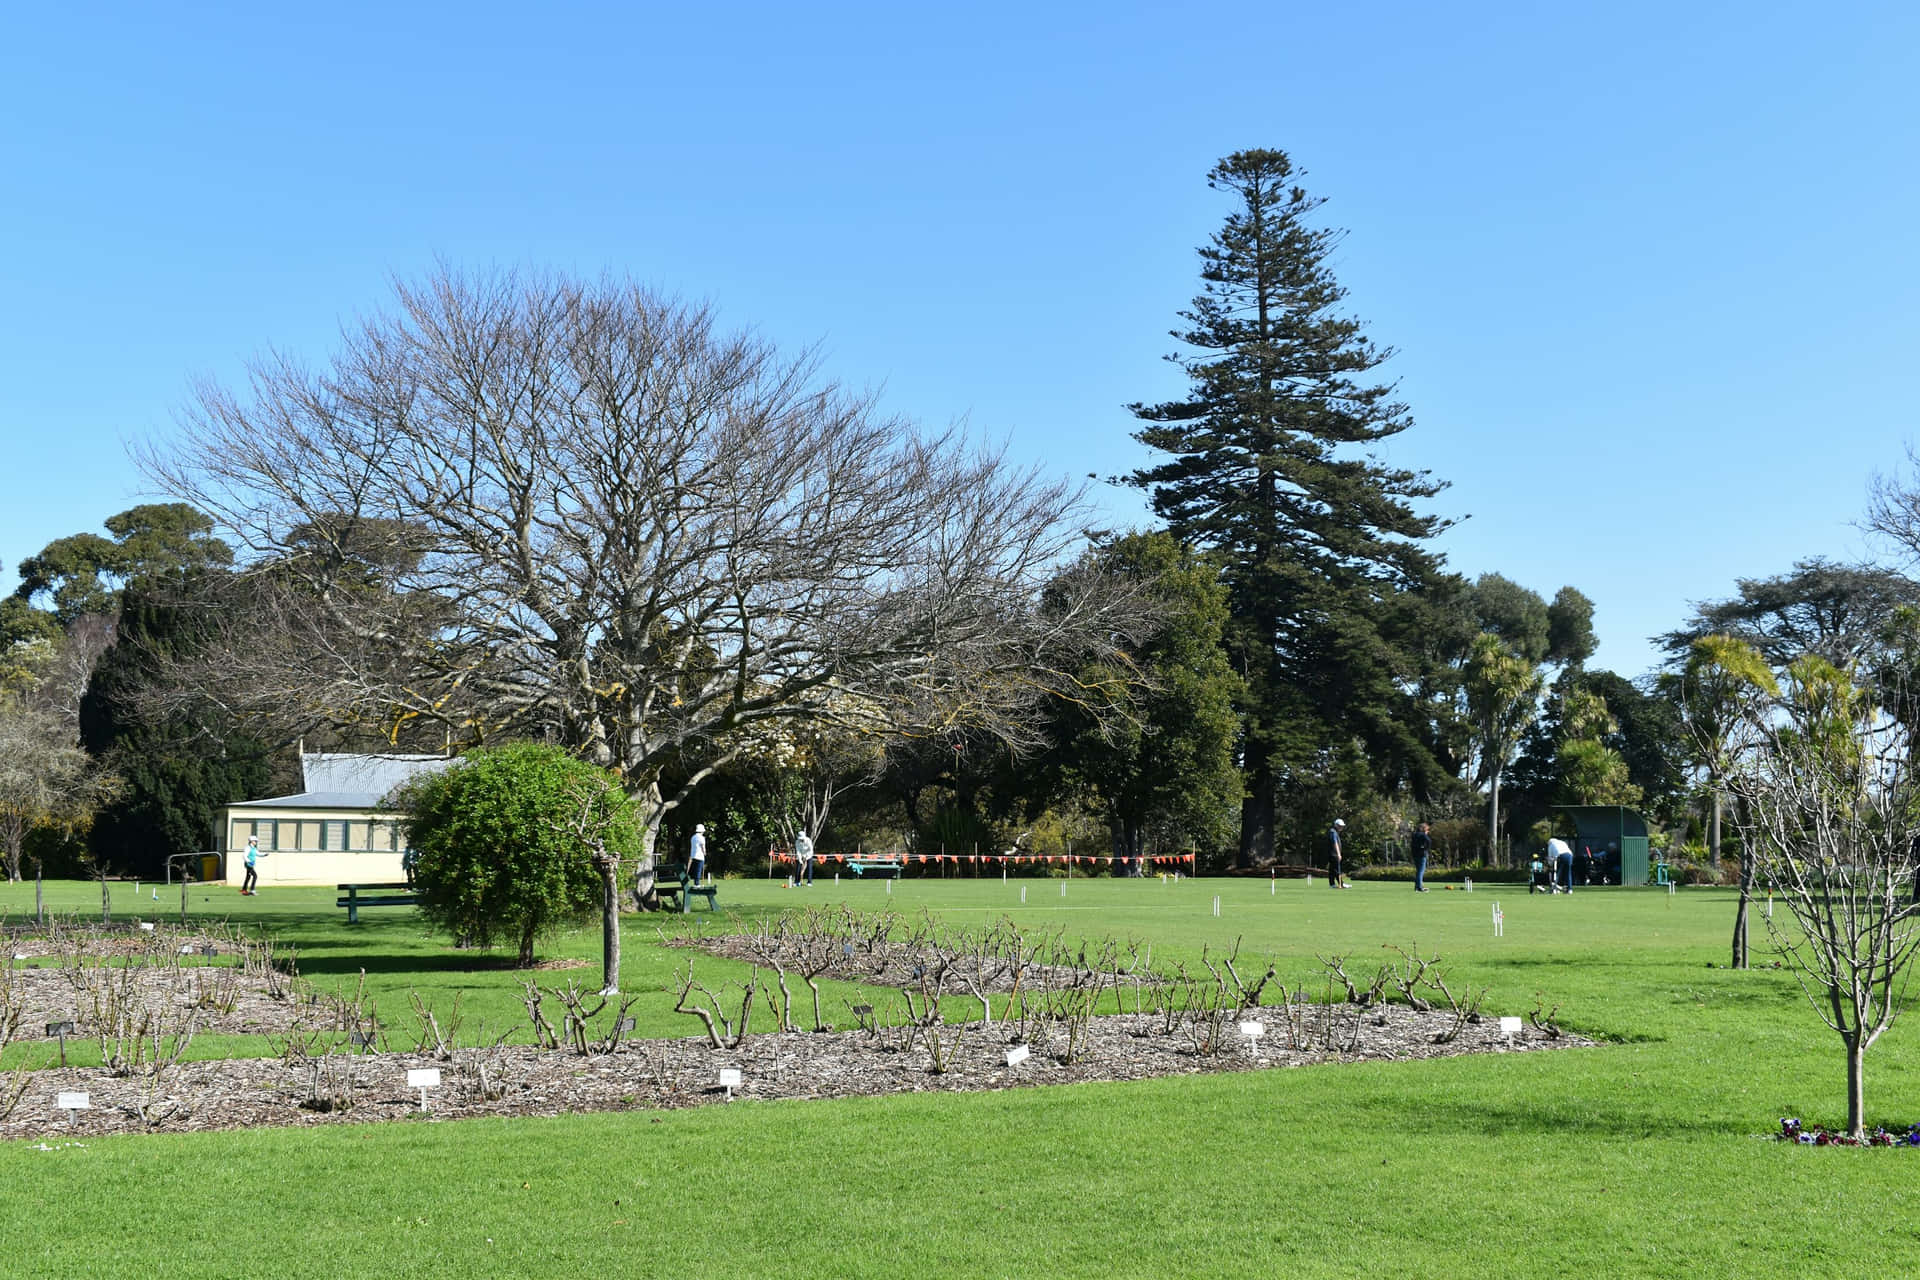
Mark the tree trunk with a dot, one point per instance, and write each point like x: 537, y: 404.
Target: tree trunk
x: 526, y: 947
x: 1740, y: 912
x: 1713, y: 831
x: 1133, y: 845
x: 1856, y: 1085
x: 1493, y: 822
x: 13, y: 833
x: 644, y: 898
x: 1256, y: 816
x: 609, y: 926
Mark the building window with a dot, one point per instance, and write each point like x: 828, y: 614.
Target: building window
x: 267, y: 833
x: 333, y: 836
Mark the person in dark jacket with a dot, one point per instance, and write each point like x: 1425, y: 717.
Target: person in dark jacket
x: 1422, y: 849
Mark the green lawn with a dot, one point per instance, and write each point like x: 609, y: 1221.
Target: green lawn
x: 1636, y: 1158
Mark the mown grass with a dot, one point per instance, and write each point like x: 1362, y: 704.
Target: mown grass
x: 1641, y: 1157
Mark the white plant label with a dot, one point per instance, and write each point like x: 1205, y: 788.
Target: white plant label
x: 1509, y: 1027
x: 1018, y: 1054
x: 729, y: 1077
x: 423, y: 1077
x: 1253, y: 1030
x: 75, y: 1102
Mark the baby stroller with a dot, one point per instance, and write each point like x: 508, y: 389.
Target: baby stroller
x: 1542, y: 877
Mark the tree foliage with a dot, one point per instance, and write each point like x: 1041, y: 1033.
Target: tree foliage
x: 1570, y: 638
x: 1514, y: 614
x: 1503, y: 697
x: 1590, y: 771
x: 180, y: 771
x: 1828, y: 807
x: 1270, y: 468
x: 522, y: 505
x: 1838, y: 611
x: 84, y: 573
x: 1161, y: 768
x: 1647, y: 736
x: 1722, y: 693
x: 1714, y: 692
x: 47, y: 782
x: 499, y: 846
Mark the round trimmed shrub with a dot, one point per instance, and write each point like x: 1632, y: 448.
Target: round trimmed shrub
x: 496, y: 859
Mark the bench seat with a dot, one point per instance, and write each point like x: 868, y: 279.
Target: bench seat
x: 375, y: 895
x: 878, y: 866
x: 670, y: 882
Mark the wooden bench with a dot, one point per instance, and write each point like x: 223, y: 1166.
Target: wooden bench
x: 386, y: 895
x: 878, y: 866
x: 670, y: 882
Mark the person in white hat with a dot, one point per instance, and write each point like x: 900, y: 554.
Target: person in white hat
x: 697, y: 854
x: 1337, y: 854
x: 803, y: 858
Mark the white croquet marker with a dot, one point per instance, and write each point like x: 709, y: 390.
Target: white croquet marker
x: 423, y: 1079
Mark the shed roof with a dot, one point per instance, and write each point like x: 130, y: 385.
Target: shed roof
x: 340, y: 780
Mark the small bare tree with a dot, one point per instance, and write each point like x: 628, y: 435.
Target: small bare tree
x: 1829, y: 807
x: 589, y: 822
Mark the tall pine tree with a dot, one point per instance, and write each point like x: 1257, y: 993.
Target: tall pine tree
x: 1271, y: 468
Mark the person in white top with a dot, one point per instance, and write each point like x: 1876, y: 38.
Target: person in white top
x: 697, y: 854
x: 1560, y: 862
x: 803, y: 853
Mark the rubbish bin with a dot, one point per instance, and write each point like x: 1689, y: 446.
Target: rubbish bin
x: 209, y: 866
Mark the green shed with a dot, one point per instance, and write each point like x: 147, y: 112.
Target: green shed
x: 1609, y: 843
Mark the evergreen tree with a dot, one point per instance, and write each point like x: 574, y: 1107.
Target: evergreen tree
x: 179, y: 773
x: 1269, y: 468
x: 1166, y: 768
x: 152, y: 544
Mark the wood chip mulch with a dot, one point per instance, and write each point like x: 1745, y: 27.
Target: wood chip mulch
x: 518, y: 1080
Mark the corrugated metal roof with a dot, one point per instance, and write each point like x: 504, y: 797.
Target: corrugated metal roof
x: 338, y: 780
x: 373, y: 776
x: 355, y: 800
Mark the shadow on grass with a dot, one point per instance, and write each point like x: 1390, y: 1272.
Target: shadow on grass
x: 352, y: 962
x: 1596, y: 1117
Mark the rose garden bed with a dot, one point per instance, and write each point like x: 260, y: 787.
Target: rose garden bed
x: 142, y: 999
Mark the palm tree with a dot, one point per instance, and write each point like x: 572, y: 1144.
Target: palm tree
x: 1715, y: 691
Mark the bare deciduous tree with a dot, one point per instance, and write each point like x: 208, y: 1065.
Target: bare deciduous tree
x: 1828, y: 806
x: 46, y: 779
x: 532, y: 506
x: 799, y: 768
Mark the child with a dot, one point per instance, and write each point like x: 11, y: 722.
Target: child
x: 252, y: 881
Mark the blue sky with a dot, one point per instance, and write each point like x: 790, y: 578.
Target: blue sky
x: 1649, y: 268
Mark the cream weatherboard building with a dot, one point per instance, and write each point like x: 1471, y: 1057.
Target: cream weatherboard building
x: 335, y: 831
